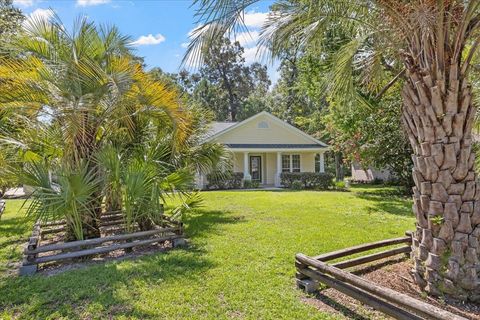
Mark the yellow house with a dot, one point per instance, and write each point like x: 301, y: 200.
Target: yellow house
x: 263, y: 146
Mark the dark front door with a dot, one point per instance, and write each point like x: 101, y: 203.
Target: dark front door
x: 256, y: 168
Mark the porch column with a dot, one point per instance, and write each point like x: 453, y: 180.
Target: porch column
x: 246, y: 172
x: 279, y: 170
x: 322, y: 162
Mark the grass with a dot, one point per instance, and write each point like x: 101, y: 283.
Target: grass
x: 240, y: 263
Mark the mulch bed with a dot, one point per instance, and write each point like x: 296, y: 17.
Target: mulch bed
x: 393, y: 274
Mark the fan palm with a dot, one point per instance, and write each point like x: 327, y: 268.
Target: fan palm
x: 429, y: 45
x: 88, y: 85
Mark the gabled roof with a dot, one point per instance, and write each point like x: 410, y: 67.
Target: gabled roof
x: 220, y: 128
x: 217, y: 127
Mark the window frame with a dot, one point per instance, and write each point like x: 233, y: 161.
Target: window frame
x: 289, y: 157
x: 286, y: 169
x: 317, y: 162
x: 292, y: 167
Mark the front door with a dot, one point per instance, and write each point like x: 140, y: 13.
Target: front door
x: 256, y: 168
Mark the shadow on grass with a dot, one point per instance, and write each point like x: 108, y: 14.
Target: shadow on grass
x: 203, y: 222
x: 108, y: 290
x: 14, y: 232
x: 345, y: 311
x: 15, y: 226
x: 390, y: 200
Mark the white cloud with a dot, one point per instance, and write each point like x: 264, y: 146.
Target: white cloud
x: 247, y: 38
x: 149, y: 40
x: 24, y: 3
x: 87, y: 3
x: 185, y: 45
x: 44, y: 14
x: 250, y: 55
x: 255, y: 19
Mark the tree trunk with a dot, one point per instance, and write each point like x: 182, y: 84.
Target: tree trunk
x: 339, y: 173
x: 438, y: 115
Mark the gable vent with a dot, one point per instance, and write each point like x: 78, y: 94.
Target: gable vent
x: 262, y: 125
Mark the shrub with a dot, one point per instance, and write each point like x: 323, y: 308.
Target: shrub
x: 224, y: 180
x: 309, y: 180
x: 297, y: 185
x: 250, y: 184
x: 341, y: 185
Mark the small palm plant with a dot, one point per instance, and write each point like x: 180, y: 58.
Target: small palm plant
x: 70, y: 198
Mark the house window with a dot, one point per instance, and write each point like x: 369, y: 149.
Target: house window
x: 290, y: 163
x: 317, y: 162
x: 295, y: 163
x: 285, y: 163
x: 262, y: 125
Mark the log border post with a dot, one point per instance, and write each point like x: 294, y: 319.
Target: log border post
x: 29, y: 265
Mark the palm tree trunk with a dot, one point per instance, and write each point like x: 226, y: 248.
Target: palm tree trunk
x: 438, y: 119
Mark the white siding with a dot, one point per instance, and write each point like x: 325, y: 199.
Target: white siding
x: 250, y: 133
x: 271, y: 169
x: 307, y: 162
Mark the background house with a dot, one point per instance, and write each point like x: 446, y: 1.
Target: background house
x: 263, y: 146
x: 369, y: 174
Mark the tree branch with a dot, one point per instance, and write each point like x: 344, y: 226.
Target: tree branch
x: 390, y: 84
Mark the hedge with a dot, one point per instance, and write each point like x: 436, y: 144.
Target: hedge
x: 309, y: 180
x: 224, y: 180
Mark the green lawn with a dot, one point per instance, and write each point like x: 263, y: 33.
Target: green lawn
x: 240, y: 263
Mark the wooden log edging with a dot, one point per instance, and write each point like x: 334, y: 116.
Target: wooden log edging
x: 35, y: 254
x: 361, y: 248
x: 372, y: 257
x: 388, y: 295
x: 361, y: 296
x: 28, y: 266
x: 96, y: 241
x: 99, y: 250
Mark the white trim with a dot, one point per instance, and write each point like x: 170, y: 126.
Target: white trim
x: 278, y: 170
x: 322, y: 163
x: 273, y: 150
x: 271, y: 116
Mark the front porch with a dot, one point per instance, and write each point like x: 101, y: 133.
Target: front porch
x: 266, y: 166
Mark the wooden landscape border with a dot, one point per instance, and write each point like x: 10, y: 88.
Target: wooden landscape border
x: 170, y: 230
x: 2, y: 207
x: 314, y: 270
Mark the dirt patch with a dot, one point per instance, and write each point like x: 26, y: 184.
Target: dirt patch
x: 393, y: 274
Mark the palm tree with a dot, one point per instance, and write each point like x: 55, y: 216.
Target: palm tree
x: 88, y: 85
x: 96, y: 132
x: 430, y: 46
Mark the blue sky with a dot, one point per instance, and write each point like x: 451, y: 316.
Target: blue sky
x: 159, y: 28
